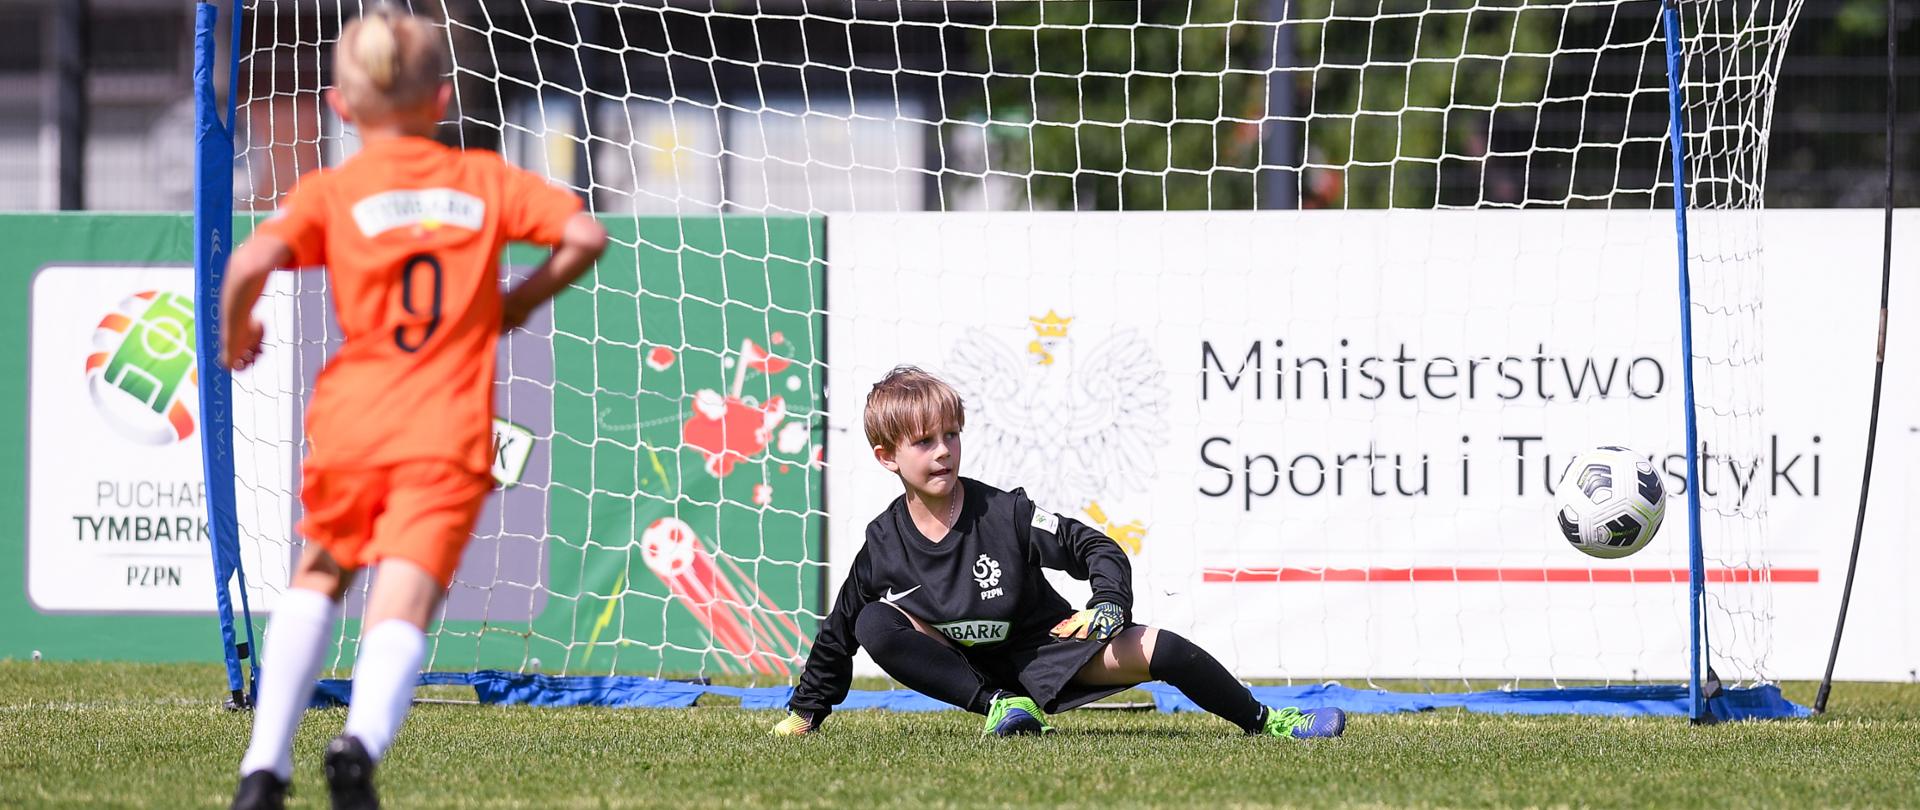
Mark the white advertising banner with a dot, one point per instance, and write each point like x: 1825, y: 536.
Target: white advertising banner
x: 116, y: 501
x: 1328, y: 438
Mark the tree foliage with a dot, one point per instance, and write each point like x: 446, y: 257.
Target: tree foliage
x: 1111, y: 106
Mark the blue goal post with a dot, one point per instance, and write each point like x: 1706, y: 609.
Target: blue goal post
x: 212, y: 241
x: 1697, y: 650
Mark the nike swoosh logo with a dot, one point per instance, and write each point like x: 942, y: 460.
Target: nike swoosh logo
x: 892, y: 597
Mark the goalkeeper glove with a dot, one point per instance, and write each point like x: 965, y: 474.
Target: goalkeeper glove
x: 794, y: 725
x: 1098, y: 623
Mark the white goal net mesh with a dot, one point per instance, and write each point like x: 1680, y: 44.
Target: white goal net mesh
x: 1305, y: 302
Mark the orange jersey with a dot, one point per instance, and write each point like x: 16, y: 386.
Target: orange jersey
x: 411, y: 232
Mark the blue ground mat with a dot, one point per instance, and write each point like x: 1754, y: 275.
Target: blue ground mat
x: 1751, y: 703
x: 629, y: 691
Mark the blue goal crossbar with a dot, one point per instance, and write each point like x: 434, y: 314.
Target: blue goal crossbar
x: 212, y: 241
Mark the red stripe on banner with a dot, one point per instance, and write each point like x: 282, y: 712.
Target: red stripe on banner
x: 1447, y: 574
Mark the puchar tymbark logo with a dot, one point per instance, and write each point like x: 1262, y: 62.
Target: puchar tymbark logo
x: 141, y: 372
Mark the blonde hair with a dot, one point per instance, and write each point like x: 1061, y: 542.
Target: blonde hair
x: 909, y: 402
x: 388, y: 60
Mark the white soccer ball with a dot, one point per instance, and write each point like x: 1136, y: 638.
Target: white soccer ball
x: 1611, y: 502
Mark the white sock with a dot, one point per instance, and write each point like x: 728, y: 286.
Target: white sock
x: 297, y: 641
x: 383, y: 682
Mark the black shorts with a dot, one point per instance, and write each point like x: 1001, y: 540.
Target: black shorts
x: 1042, y: 667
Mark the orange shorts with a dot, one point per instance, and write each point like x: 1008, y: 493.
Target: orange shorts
x: 419, y: 511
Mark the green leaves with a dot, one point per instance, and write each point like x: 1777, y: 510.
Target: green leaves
x: 1120, y: 106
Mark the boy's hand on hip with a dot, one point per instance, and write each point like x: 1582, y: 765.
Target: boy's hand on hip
x: 1098, y: 623
x: 240, y: 343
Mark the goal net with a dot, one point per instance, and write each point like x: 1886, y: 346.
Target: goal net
x: 1307, y: 303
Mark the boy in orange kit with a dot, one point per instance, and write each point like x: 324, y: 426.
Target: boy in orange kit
x: 399, y: 424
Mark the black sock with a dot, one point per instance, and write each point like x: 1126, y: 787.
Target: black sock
x: 1192, y: 671
x: 920, y: 662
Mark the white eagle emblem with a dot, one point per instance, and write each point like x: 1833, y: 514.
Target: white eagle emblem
x: 1069, y: 426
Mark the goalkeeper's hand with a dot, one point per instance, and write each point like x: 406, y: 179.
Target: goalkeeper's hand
x: 1098, y: 623
x: 793, y: 726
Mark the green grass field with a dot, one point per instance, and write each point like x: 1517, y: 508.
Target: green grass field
x: 116, y: 735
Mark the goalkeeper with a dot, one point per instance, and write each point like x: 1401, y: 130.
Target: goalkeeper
x: 947, y: 595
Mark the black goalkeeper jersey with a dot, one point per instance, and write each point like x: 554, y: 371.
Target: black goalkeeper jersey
x: 980, y: 585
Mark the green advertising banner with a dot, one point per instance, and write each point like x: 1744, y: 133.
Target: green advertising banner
x: 659, y: 445
x: 686, y: 490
